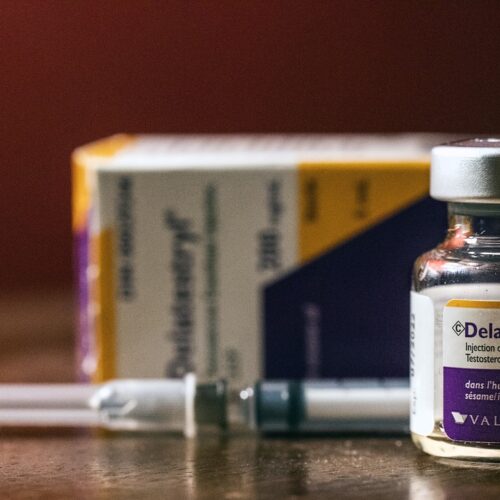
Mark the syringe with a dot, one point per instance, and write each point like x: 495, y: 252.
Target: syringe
x: 169, y: 405
x: 328, y: 406
x: 183, y: 405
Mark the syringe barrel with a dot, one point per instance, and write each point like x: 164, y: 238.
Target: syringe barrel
x: 331, y: 406
x: 160, y: 405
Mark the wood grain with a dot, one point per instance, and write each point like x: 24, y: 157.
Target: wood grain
x: 63, y: 465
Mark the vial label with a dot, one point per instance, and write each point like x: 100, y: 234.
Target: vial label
x: 471, y: 370
x: 421, y: 364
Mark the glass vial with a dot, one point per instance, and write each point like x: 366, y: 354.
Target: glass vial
x: 455, y: 310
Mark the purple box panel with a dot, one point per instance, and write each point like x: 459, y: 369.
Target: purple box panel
x: 81, y: 262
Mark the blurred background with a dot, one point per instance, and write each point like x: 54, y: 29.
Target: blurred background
x: 74, y: 71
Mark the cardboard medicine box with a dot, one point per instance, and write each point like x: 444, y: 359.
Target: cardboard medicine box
x: 249, y: 256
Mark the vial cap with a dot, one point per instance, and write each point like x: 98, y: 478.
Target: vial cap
x: 467, y: 171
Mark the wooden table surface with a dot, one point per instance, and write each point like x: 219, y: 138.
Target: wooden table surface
x: 64, y: 465
x: 36, y: 345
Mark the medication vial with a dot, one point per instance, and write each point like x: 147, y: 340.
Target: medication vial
x: 455, y: 310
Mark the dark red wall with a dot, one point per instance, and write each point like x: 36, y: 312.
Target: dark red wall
x: 72, y: 71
